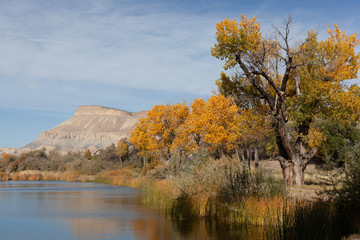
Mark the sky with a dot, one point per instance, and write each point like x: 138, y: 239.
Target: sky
x: 125, y: 54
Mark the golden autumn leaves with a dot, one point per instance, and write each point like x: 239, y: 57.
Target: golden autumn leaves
x: 216, y: 124
x: 233, y: 37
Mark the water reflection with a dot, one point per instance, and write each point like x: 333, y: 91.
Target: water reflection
x: 62, y: 210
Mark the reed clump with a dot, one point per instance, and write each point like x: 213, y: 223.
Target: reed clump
x: 19, y: 177
x: 160, y: 194
x: 76, y: 176
x: 127, y: 176
x: 35, y: 177
x: 4, y: 176
x: 51, y: 177
x: 217, y: 189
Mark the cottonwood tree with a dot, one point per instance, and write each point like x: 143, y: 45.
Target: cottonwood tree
x: 141, y: 139
x: 122, y: 150
x: 219, y: 119
x: 154, y: 135
x: 194, y: 127
x: 209, y: 125
x: 298, y: 83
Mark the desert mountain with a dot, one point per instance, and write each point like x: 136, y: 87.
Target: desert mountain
x: 90, y: 127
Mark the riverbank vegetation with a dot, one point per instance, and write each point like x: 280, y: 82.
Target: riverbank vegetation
x: 283, y: 102
x: 227, y: 190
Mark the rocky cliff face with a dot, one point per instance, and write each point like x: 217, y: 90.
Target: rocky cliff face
x: 90, y: 127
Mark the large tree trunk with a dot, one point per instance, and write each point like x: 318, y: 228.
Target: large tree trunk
x: 287, y: 171
x: 293, y: 157
x: 293, y: 169
x: 299, y: 173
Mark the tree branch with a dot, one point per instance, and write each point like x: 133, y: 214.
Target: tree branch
x: 287, y: 74
x: 310, y: 155
x: 255, y: 82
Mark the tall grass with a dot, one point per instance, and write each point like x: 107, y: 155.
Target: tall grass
x: 303, y: 220
x: 216, y: 189
x: 71, y: 176
x: 126, y: 176
x: 4, y: 176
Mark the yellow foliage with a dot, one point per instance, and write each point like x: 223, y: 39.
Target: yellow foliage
x: 5, y: 157
x: 314, y: 138
x: 340, y: 60
x: 155, y: 134
x: 233, y: 38
x: 122, y: 149
x: 294, y: 85
x: 168, y: 129
x: 219, y: 120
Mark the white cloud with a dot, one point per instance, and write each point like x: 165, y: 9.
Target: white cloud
x: 152, y: 46
x: 153, y: 50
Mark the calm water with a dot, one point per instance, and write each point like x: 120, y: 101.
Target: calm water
x: 65, y: 210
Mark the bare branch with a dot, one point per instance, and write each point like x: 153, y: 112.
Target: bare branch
x: 255, y: 81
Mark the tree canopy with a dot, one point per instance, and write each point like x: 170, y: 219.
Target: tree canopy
x: 294, y: 83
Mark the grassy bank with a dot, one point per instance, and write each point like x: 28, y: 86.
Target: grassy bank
x: 214, y: 191
x: 33, y: 175
x: 238, y: 197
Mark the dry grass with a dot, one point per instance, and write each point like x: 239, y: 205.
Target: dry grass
x: 31, y: 175
x: 4, y: 176
x: 126, y: 176
x: 161, y: 194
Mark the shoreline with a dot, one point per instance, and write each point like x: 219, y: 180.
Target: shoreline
x: 276, y: 215
x: 164, y: 196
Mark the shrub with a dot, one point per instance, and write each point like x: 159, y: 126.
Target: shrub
x: 241, y: 183
x: 93, y: 166
x: 32, y: 160
x: 133, y: 160
x: 14, y: 166
x: 148, y: 168
x: 346, y: 198
x: 108, y: 154
x: 339, y: 141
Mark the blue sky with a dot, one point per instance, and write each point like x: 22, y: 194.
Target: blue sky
x: 125, y: 54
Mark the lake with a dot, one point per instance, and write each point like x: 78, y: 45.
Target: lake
x: 69, y: 210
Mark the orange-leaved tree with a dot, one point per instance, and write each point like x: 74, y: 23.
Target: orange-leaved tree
x: 218, y: 122
x: 155, y: 134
